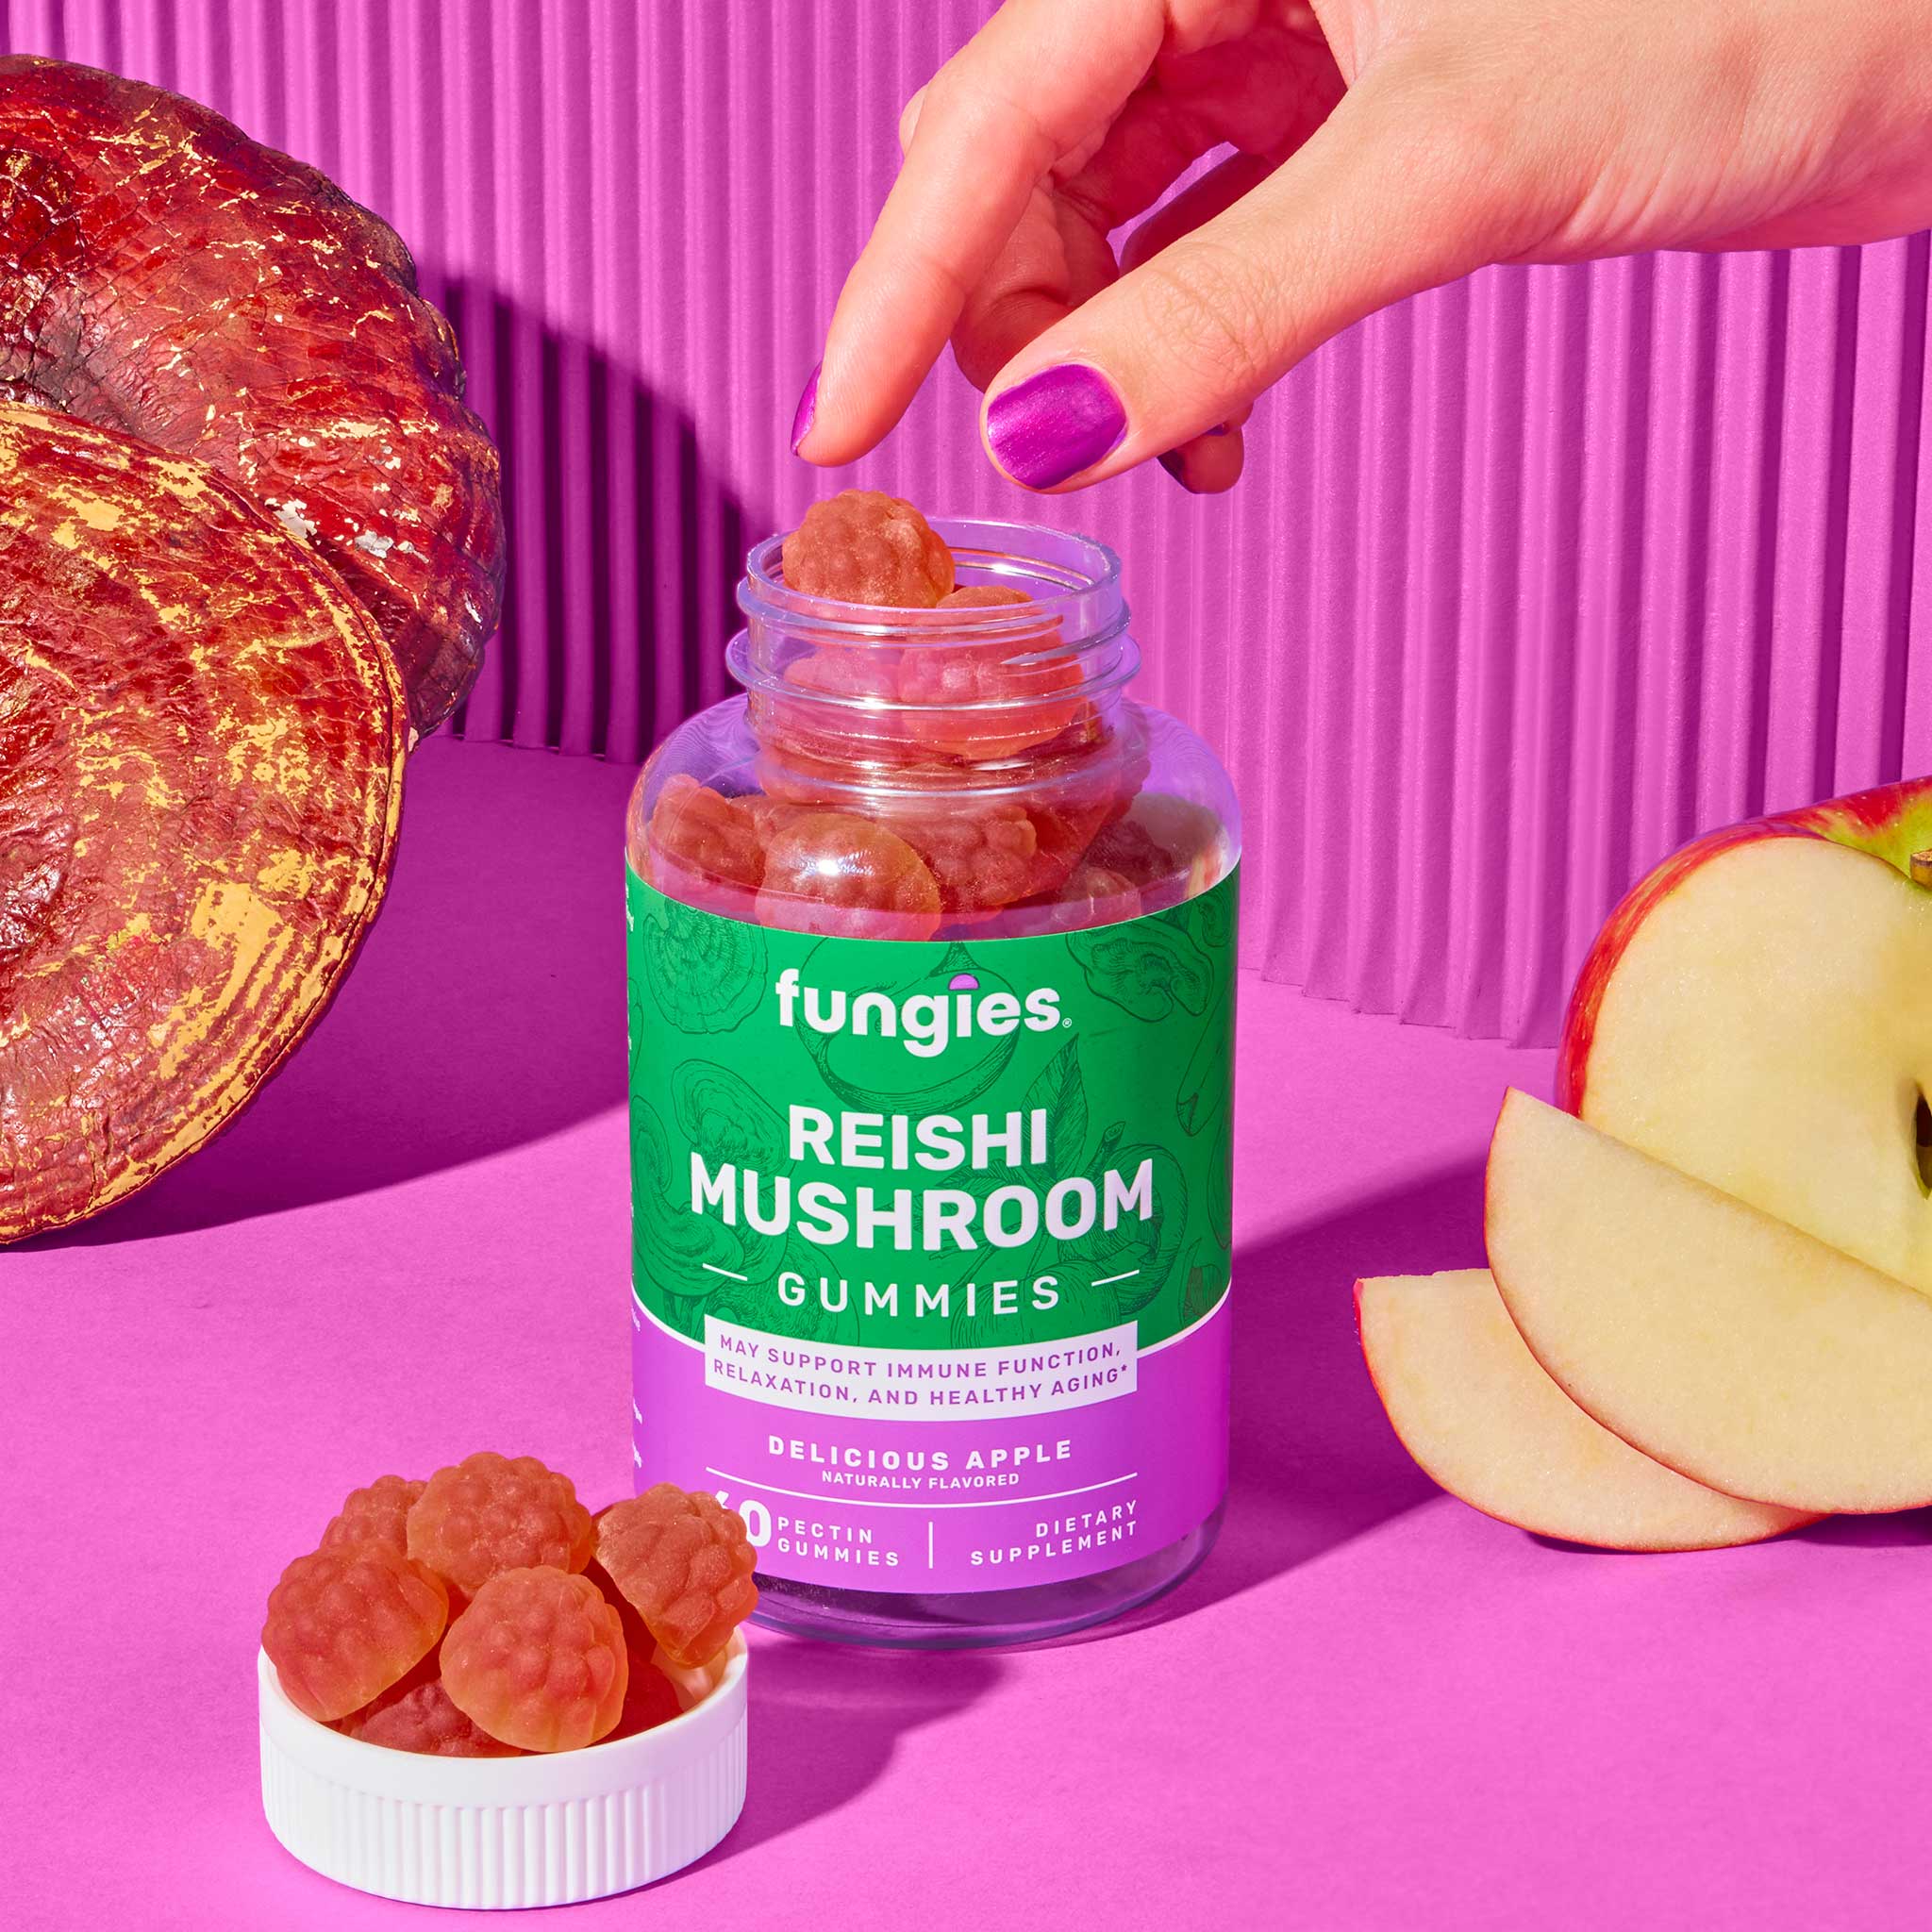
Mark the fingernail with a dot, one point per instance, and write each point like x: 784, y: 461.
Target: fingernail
x: 1172, y: 464
x: 807, y: 408
x: 1055, y: 425
x: 1219, y: 429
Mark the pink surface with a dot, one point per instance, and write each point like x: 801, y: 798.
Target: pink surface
x: 1528, y: 580
x: 1373, y: 1708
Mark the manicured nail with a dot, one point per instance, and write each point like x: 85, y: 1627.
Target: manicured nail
x: 1219, y: 429
x: 1172, y: 464
x: 1055, y: 425
x: 807, y: 408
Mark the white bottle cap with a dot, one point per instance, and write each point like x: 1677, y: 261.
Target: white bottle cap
x: 543, y: 1830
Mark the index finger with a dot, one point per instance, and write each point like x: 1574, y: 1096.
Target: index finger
x: 1037, y: 80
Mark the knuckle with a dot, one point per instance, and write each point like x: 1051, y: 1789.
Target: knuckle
x: 1220, y: 311
x: 1468, y: 127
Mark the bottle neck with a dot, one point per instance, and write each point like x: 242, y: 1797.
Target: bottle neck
x: 1020, y: 694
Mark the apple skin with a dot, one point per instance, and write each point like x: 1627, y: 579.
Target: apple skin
x: 1889, y: 821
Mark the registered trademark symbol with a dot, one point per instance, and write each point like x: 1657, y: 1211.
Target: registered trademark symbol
x: 1066, y: 1024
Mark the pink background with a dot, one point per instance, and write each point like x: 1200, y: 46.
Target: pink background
x: 1371, y: 1708
x: 1529, y: 580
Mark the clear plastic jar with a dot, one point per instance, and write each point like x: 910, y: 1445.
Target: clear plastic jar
x: 960, y: 976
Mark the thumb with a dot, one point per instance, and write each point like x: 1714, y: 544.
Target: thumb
x: 1383, y: 200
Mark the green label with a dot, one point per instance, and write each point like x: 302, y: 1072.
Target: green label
x: 934, y: 1145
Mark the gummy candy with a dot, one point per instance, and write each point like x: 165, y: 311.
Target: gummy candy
x: 490, y: 1513
x: 980, y: 859
x: 841, y: 774
x: 651, y: 1699
x: 843, y: 670
x: 865, y: 547
x: 702, y: 832
x: 1171, y: 848
x: 421, y: 1717
x: 684, y: 1563
x: 989, y: 678
x: 984, y: 597
x: 345, y: 1622
x: 375, y: 1514
x: 1092, y: 895
x: 690, y: 1684
x: 771, y: 815
x: 538, y: 1660
x: 1128, y: 848
x: 701, y: 890
x: 832, y: 873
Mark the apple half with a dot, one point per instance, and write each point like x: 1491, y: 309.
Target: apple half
x: 1738, y: 1349
x: 1757, y: 1012
x: 1475, y: 1410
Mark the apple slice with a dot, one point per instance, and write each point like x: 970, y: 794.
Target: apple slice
x: 1757, y: 1013
x: 1740, y: 1351
x: 1473, y: 1407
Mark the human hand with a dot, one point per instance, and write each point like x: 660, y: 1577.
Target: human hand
x: 1382, y: 148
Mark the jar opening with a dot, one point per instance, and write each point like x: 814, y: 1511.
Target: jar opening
x: 844, y: 659
x: 1074, y: 584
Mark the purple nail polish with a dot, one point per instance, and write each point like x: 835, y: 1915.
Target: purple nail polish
x: 807, y: 408
x: 1055, y: 425
x: 1171, y: 463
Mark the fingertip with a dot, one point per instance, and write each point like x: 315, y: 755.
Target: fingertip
x: 807, y: 413
x: 1046, y: 430
x: 1208, y: 463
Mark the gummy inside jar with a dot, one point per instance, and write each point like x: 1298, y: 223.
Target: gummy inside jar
x: 935, y: 751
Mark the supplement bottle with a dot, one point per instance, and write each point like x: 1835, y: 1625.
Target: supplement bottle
x: 931, y: 972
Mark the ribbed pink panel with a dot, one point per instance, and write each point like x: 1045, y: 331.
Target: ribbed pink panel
x: 1529, y: 580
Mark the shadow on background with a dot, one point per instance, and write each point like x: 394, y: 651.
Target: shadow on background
x: 829, y: 1718
x: 487, y: 1007
x: 1314, y: 1462
x: 1907, y: 1529
x: 625, y: 544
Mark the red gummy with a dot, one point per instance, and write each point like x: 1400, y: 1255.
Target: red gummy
x: 651, y: 1700
x: 1126, y: 848
x: 701, y: 890
x: 843, y: 670
x: 699, y: 830
x: 684, y: 1563
x: 829, y: 872
x: 979, y: 858
x: 992, y: 680
x: 346, y: 1623
x: 1166, y: 845
x: 538, y: 1660
x: 422, y: 1718
x: 865, y: 547
x: 490, y: 1513
x: 848, y: 715
x: 809, y: 767
x: 376, y: 1514
x: 1092, y: 895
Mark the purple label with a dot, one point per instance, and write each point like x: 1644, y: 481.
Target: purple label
x: 1030, y: 1464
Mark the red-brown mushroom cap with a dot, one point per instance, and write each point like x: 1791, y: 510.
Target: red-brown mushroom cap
x: 202, y: 740
x: 161, y: 273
